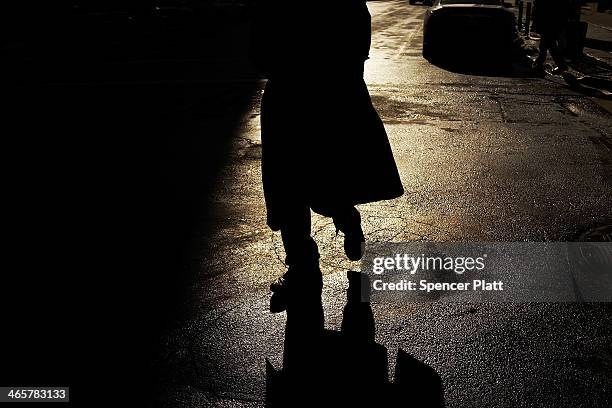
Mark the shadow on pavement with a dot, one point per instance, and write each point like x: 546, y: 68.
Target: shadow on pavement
x: 588, y: 85
x: 346, y: 367
x: 484, y: 67
x: 592, y: 65
x: 598, y: 44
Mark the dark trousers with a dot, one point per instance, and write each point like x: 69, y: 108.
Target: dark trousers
x: 300, y: 248
x: 550, y: 42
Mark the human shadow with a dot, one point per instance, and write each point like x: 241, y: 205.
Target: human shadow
x: 512, y: 70
x: 588, y: 85
x: 346, y: 367
x: 597, y: 44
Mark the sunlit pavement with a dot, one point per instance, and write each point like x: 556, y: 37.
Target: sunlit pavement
x: 482, y: 159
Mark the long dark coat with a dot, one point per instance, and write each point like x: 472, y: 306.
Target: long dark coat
x: 551, y: 16
x: 323, y: 142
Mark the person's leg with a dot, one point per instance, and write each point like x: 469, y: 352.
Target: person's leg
x: 543, y: 50
x: 348, y: 220
x: 300, y: 248
x: 302, y: 255
x: 557, y: 54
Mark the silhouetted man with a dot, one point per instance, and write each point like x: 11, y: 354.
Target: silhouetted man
x: 324, y: 147
x: 551, y: 20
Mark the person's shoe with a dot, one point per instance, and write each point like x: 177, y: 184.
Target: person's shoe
x: 279, y: 302
x: 295, y: 283
x: 298, y: 280
x: 559, y: 70
x: 280, y: 285
x: 354, y: 240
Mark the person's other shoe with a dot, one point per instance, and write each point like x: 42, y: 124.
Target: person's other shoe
x: 354, y: 240
x: 296, y: 282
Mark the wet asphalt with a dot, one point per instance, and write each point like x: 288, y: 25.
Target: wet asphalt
x: 483, y: 157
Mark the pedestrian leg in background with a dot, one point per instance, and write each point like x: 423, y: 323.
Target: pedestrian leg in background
x: 550, y: 43
x: 557, y: 55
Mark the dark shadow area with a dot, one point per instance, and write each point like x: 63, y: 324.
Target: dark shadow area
x: 588, y: 85
x: 594, y: 82
x: 347, y: 367
x: 482, y: 67
x: 108, y: 41
x: 593, y: 79
x: 598, y: 44
x: 592, y: 65
x: 114, y: 140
